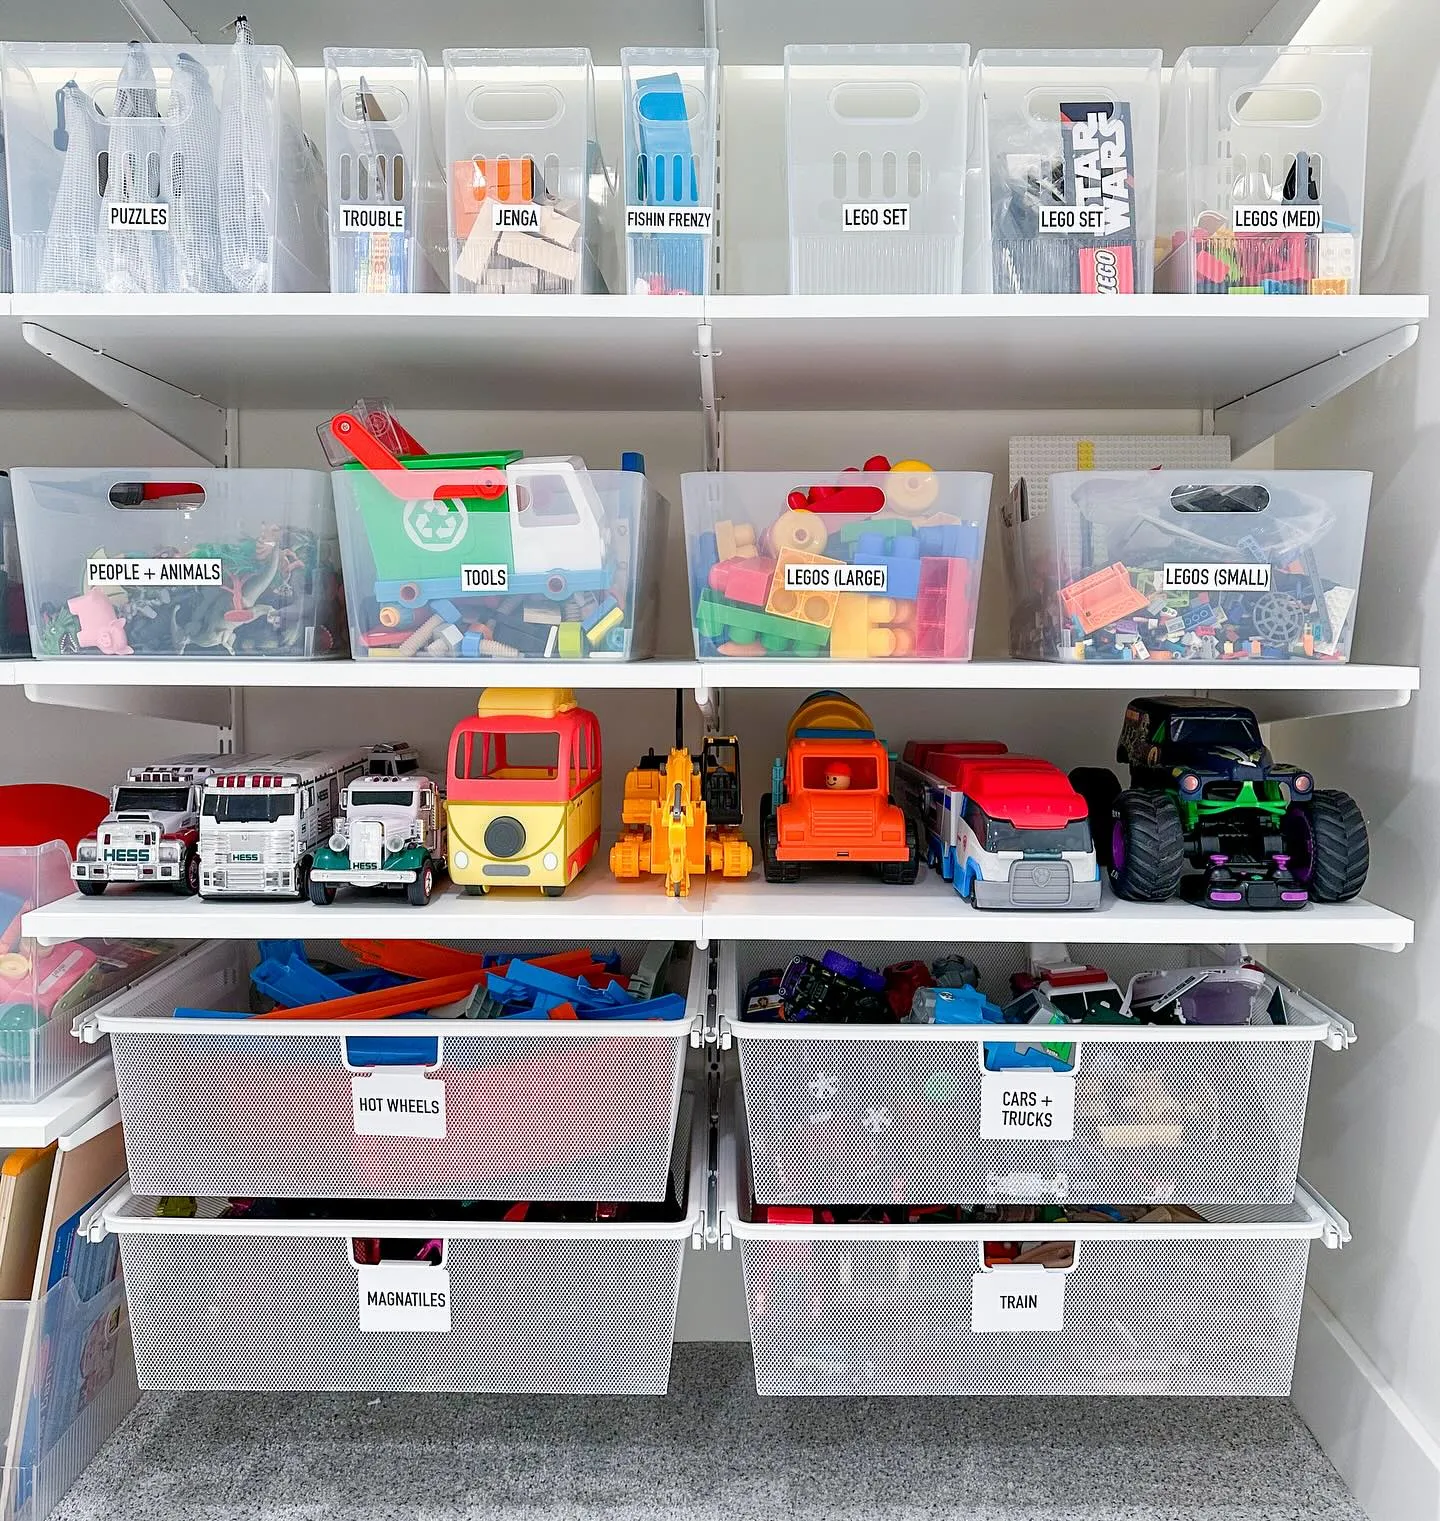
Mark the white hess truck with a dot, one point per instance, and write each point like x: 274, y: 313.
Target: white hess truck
x: 151, y: 835
x: 260, y: 823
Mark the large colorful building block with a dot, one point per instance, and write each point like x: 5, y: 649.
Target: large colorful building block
x: 744, y: 578
x: 1105, y: 597
x: 901, y: 559
x: 811, y: 604
x: 729, y: 622
x: 943, y: 619
x: 872, y: 628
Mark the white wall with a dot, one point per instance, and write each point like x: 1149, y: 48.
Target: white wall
x: 1372, y: 1144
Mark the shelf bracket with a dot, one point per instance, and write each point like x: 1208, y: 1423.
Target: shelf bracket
x: 1250, y: 420
x: 707, y: 354
x: 189, y: 419
x: 212, y: 707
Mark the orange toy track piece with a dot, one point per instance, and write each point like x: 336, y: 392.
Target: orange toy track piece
x: 1101, y: 599
x: 427, y: 994
x: 423, y: 958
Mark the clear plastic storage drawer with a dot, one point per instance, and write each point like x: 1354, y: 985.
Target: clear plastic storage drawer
x: 542, y: 1110
x: 1064, y: 147
x: 876, y: 1114
x: 875, y: 155
x: 1220, y: 565
x: 357, y: 1301
x: 146, y: 169
x: 853, y: 565
x: 203, y: 563
x: 1262, y: 189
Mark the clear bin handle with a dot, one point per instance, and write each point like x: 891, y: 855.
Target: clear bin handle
x: 91, y: 1225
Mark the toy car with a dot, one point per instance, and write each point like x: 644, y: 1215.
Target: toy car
x: 830, y: 799
x: 1211, y: 814
x: 390, y: 833
x: 1008, y: 830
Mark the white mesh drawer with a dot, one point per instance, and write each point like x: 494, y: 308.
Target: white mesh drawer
x: 866, y: 1114
x: 901, y: 1309
x: 276, y: 1304
x: 547, y: 1110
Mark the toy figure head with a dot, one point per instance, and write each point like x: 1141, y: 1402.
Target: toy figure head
x: 837, y: 776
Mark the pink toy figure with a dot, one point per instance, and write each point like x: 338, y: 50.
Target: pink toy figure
x: 101, y: 627
x: 837, y: 776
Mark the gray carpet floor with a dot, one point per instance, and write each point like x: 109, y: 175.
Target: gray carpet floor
x: 711, y: 1451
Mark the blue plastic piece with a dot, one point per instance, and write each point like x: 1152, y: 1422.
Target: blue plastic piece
x: 392, y: 1050
x: 902, y: 563
x: 965, y: 1006
x: 446, y: 609
x: 632, y: 462
x: 953, y: 541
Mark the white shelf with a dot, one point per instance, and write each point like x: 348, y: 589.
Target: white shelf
x: 460, y: 353
x: 842, y: 909
x: 62, y: 1112
x: 1293, y: 690
x: 597, y: 908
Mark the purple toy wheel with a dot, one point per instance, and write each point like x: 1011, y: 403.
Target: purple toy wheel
x: 1117, y: 845
x: 1299, y: 835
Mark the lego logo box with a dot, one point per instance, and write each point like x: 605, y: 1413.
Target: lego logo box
x: 1018, y: 1299
x: 1207, y: 578
x: 399, y: 1102
x: 404, y: 1296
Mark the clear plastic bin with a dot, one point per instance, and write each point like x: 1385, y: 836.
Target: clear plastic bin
x: 203, y: 563
x: 43, y: 988
x: 387, y: 194
x: 505, y: 558
x: 522, y: 1307
x: 670, y: 113
x: 1262, y: 187
x: 1197, y: 565
x: 14, y: 630
x: 845, y: 1114
x: 856, y: 565
x: 875, y: 155
x: 541, y: 1110
x: 146, y: 168
x: 529, y: 192
x: 880, y: 1309
x: 1064, y: 147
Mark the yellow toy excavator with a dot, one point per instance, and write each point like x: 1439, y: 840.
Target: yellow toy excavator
x: 681, y: 815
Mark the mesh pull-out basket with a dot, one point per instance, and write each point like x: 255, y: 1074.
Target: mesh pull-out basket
x: 583, y: 1308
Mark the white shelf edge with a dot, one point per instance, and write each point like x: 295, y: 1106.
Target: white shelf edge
x: 61, y: 1112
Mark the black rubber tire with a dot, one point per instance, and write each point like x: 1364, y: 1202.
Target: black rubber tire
x: 1154, y: 855
x: 1341, y: 847
x: 302, y: 879
x: 1099, y: 786
x: 475, y: 890
x: 321, y: 893
x: 189, y: 883
x: 903, y: 873
x: 553, y: 892
x: 776, y: 870
x: 419, y: 891
x: 92, y: 889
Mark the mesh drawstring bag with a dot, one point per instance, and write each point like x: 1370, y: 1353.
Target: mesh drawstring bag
x: 70, y: 261
x: 134, y: 260
x: 246, y: 117
x: 190, y: 178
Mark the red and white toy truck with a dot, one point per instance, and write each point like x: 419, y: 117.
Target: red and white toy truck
x: 1008, y: 830
x: 151, y: 834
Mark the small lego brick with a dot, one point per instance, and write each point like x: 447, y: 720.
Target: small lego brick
x: 943, y: 614
x: 546, y: 613
x: 1283, y: 287
x: 1211, y: 271
x: 811, y: 605
x: 729, y: 622
x: 571, y: 642
x: 799, y: 530
x: 1330, y: 287
x: 1334, y: 258
x: 1172, y: 628
x: 1246, y: 290
x: 744, y: 579
x: 612, y: 620
x: 1101, y: 598
x: 734, y: 541
x: 872, y: 628
x: 1139, y: 650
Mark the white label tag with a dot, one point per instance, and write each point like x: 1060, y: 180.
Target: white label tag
x: 1039, y: 1104
x: 399, y: 1101
x: 404, y: 1296
x: 484, y: 578
x: 1308, y: 217
x: 137, y: 216
x: 1253, y: 578
x: 1086, y: 219
x: 372, y: 219
x: 511, y: 218
x: 691, y: 219
x: 836, y: 578
x: 1018, y: 1299
x: 154, y: 572
x: 875, y: 216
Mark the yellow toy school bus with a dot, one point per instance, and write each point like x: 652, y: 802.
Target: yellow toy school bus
x: 523, y: 801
